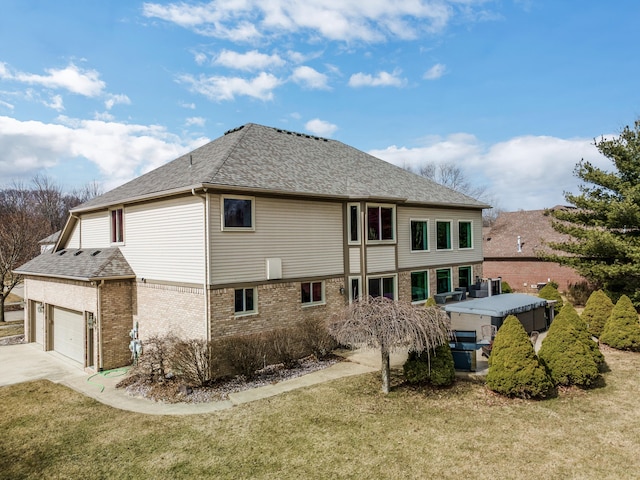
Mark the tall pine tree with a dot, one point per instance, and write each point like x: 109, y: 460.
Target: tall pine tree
x: 605, y: 225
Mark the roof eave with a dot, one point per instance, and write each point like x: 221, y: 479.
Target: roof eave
x: 71, y: 277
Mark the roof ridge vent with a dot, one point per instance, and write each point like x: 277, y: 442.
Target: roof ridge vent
x: 234, y: 130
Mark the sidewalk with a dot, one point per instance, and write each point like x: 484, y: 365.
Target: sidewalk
x: 27, y: 362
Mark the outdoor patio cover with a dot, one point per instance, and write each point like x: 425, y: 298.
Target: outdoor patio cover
x: 498, y: 305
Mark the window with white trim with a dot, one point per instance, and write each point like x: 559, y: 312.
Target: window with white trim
x: 380, y: 220
x: 382, y: 287
x: 419, y: 235
x: 117, y: 225
x: 353, y: 213
x: 312, y: 293
x: 245, y: 301
x: 419, y: 286
x: 443, y: 235
x: 465, y: 234
x: 238, y: 213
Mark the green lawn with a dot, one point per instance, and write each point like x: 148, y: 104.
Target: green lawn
x: 340, y: 429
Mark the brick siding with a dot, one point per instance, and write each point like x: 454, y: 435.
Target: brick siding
x: 524, y: 275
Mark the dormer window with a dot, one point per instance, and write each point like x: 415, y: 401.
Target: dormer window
x: 117, y: 225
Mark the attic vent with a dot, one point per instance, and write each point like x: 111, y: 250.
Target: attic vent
x: 234, y: 130
x: 77, y: 253
x: 62, y: 252
x: 93, y: 254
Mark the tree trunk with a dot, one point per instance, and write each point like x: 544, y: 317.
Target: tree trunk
x: 386, y: 370
x: 2, y: 297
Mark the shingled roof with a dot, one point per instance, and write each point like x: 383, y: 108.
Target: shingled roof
x: 78, y: 264
x: 256, y: 158
x: 534, y: 228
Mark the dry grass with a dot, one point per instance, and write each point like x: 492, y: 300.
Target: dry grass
x: 340, y: 429
x: 8, y: 329
x: 12, y: 298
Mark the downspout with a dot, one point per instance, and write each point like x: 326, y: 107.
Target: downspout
x: 99, y: 326
x: 363, y: 252
x: 207, y: 256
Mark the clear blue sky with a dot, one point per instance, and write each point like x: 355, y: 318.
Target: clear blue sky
x: 513, y: 92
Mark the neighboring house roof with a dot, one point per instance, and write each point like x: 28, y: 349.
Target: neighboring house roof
x: 256, y: 158
x: 499, y: 305
x: 532, y: 226
x: 79, y: 264
x: 51, y: 239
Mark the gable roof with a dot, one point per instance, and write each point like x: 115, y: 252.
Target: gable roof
x: 256, y: 158
x: 534, y: 228
x: 79, y: 264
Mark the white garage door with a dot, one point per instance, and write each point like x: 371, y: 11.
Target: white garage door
x: 38, y: 324
x: 68, y: 333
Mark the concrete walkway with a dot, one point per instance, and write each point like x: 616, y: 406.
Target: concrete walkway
x: 27, y: 362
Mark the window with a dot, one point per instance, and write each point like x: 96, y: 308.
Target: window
x: 382, y: 287
x: 443, y: 280
x: 245, y: 300
x: 312, y: 293
x: 354, y: 289
x: 354, y: 222
x: 419, y: 235
x: 419, y: 286
x: 465, y: 237
x: 464, y: 277
x: 380, y: 223
x: 117, y: 226
x: 237, y: 213
x: 443, y: 234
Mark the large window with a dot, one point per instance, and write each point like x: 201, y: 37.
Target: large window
x: 443, y: 235
x: 443, y: 280
x: 380, y: 223
x: 419, y: 235
x: 382, y: 287
x: 245, y: 301
x: 117, y: 225
x: 465, y: 236
x: 419, y: 286
x: 237, y: 213
x: 464, y: 277
x: 353, y: 212
x: 311, y: 293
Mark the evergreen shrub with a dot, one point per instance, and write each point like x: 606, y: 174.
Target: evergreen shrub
x: 582, y: 333
x: 549, y: 292
x: 514, y: 369
x: 431, y: 302
x: 579, y: 292
x: 437, y: 368
x: 567, y: 358
x: 506, y: 288
x: 596, y: 312
x: 622, y: 330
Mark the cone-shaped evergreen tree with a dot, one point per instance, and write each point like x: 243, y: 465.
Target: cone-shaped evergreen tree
x: 514, y: 369
x: 582, y: 333
x: 437, y: 368
x: 431, y: 302
x: 549, y: 292
x: 596, y: 312
x: 622, y: 330
x: 566, y: 357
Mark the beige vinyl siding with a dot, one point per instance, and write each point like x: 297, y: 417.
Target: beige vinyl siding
x: 94, y: 228
x: 74, y: 238
x: 165, y: 240
x: 409, y: 259
x: 354, y: 260
x: 306, y: 235
x: 381, y: 259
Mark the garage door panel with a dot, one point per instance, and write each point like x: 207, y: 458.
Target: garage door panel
x: 68, y: 333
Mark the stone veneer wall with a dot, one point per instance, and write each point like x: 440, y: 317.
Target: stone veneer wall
x: 279, y: 306
x: 163, y: 309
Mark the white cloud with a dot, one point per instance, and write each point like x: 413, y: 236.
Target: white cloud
x: 249, y: 61
x: 320, y: 127
x: 7, y: 105
x: 55, y: 103
x: 200, y: 58
x: 529, y: 172
x: 120, y: 151
x: 220, y: 88
x: 435, y: 72
x: 116, y: 99
x: 72, y: 78
x: 190, y: 106
x: 199, y: 121
x: 347, y: 20
x: 310, y: 78
x: 382, y: 79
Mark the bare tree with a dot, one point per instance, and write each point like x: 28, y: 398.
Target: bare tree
x: 390, y: 325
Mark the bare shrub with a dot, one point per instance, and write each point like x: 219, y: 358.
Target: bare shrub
x: 244, y: 354
x: 315, y: 339
x: 284, y: 346
x: 196, y: 361
x: 154, y: 362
